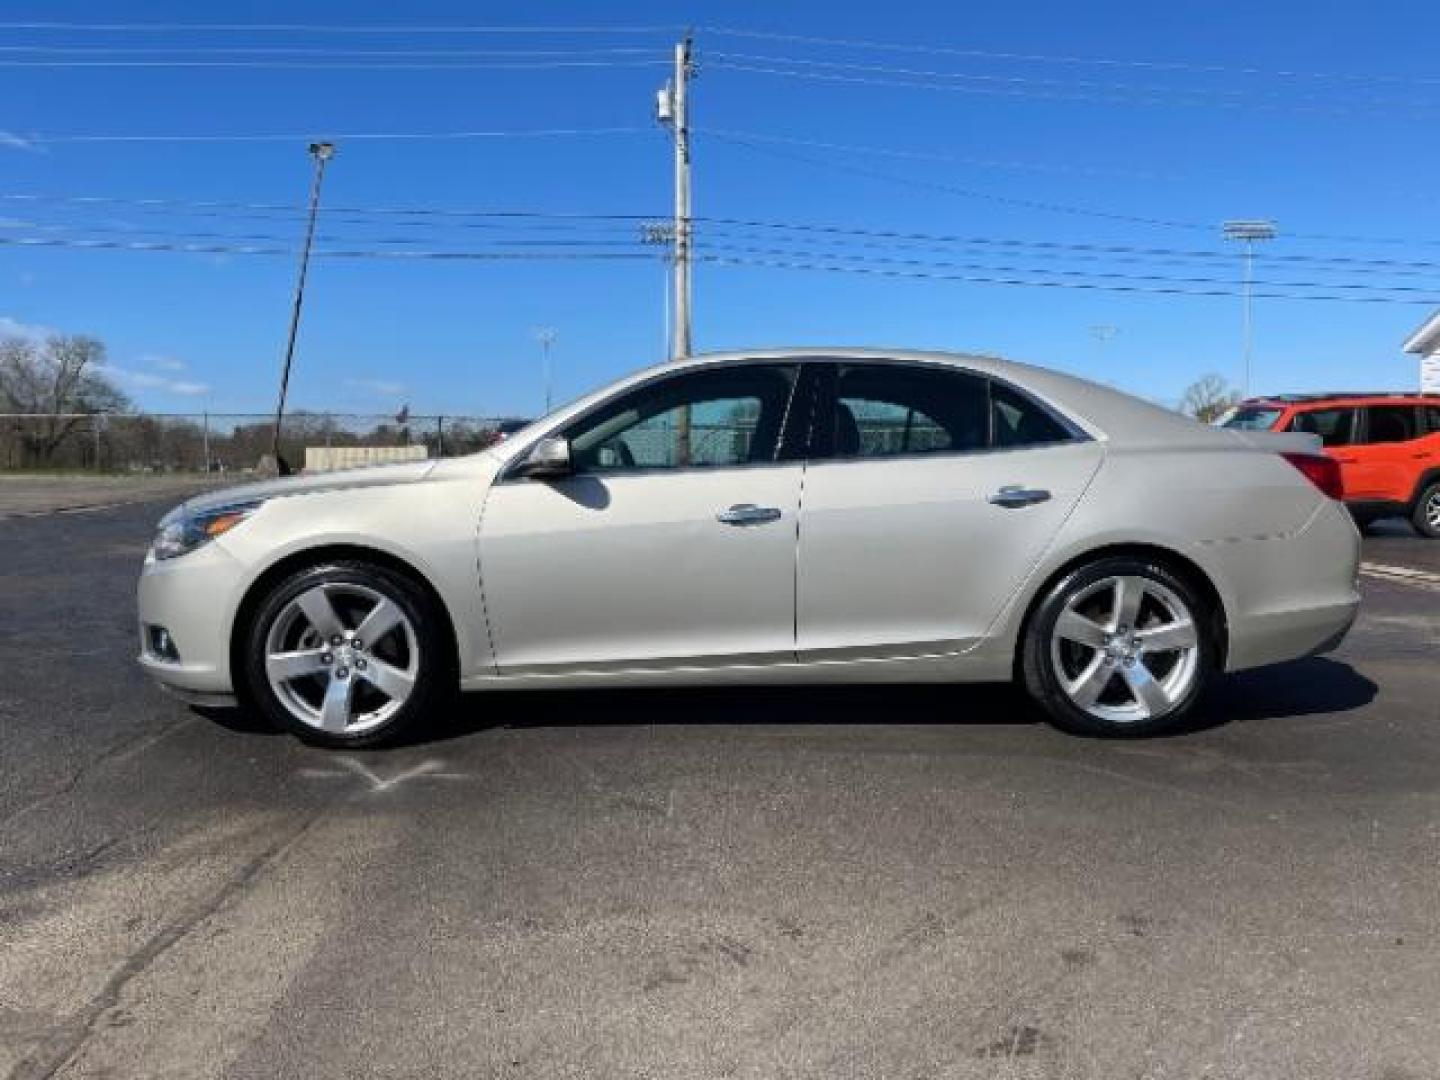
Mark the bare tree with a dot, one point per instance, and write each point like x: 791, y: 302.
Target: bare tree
x: 1207, y: 398
x: 55, y: 380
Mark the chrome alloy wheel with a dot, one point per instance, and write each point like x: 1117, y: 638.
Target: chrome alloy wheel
x: 1126, y: 649
x: 342, y: 658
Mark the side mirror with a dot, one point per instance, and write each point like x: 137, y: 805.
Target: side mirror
x: 547, y: 459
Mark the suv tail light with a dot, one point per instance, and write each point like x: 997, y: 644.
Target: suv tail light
x: 1323, y: 472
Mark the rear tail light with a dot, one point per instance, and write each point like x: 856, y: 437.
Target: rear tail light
x: 1321, y: 471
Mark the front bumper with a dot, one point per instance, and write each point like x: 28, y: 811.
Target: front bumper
x: 195, y: 598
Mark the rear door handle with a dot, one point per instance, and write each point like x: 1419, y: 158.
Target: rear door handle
x: 1013, y: 495
x: 748, y: 514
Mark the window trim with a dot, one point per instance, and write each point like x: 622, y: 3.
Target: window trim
x: 826, y: 398
x: 510, y: 473
x: 1358, y: 432
x: 1417, y: 423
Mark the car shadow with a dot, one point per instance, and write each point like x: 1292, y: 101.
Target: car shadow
x: 1311, y: 687
x: 1315, y: 686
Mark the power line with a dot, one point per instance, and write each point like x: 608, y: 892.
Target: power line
x: 1042, y: 58
x: 1063, y: 273
x: 927, y: 155
x: 975, y: 273
x: 486, y: 218
x: 950, y: 189
x: 799, y: 264
x: 1241, y: 96
x: 297, y: 65
x: 245, y: 50
x: 322, y: 28
x: 1117, y: 96
x: 333, y: 253
x: 354, y: 136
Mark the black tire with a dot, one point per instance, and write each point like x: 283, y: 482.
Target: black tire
x: 1426, y: 515
x: 1043, y: 682
x: 435, y: 681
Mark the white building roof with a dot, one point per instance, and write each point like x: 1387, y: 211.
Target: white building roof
x: 1426, y: 339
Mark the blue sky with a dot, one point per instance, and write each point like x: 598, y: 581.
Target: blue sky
x: 1328, y: 130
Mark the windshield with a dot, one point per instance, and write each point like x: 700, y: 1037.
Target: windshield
x: 1252, y: 418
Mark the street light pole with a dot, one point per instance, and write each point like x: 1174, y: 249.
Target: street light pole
x: 1248, y: 232
x: 321, y: 152
x: 546, y: 336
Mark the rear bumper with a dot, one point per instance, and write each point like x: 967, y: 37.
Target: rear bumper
x: 1294, y: 596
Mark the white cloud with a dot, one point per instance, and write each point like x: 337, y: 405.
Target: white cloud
x: 12, y: 141
x: 31, y: 331
x: 382, y: 387
x: 148, y: 380
x: 165, y: 363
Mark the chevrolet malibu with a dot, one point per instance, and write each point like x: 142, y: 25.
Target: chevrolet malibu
x: 821, y: 516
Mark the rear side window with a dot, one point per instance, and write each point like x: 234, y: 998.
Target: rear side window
x: 882, y: 410
x: 1336, y: 427
x: 1432, y: 418
x: 887, y: 410
x: 1390, y: 423
x: 1016, y: 420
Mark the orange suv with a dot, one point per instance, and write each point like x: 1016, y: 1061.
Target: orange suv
x: 1387, y: 445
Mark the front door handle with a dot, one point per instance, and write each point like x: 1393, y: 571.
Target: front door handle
x: 1013, y: 495
x: 748, y: 514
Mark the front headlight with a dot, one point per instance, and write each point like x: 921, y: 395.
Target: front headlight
x: 181, y: 531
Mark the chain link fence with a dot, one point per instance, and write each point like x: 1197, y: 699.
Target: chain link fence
x: 229, y: 442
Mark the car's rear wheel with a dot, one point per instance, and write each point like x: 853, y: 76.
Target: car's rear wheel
x: 1426, y: 517
x: 346, y: 654
x: 1122, y: 646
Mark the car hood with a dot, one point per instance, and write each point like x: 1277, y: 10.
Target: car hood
x: 342, y: 479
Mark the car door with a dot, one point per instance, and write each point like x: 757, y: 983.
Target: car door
x: 673, y: 542
x: 931, y: 495
x: 1381, y: 465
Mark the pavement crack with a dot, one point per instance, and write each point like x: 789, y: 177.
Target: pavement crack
x: 65, y: 1044
x: 113, y: 756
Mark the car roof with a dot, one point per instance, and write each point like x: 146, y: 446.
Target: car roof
x: 1341, y: 397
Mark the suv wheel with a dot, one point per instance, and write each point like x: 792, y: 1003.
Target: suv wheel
x: 346, y: 654
x: 1120, y: 647
x: 1426, y: 517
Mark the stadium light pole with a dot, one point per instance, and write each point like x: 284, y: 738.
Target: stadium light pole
x: 1248, y: 232
x: 321, y: 152
x: 546, y: 336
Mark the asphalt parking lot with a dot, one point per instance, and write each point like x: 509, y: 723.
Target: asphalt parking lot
x: 800, y: 883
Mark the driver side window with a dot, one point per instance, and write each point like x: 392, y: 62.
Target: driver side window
x: 700, y: 419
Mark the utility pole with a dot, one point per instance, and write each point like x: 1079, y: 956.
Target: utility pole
x: 1248, y: 232
x: 321, y: 152
x: 673, y: 111
x: 546, y: 336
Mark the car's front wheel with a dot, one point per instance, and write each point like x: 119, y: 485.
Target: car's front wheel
x: 1121, y: 646
x: 1426, y: 518
x: 346, y: 654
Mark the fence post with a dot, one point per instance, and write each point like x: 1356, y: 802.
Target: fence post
x: 440, y: 436
x: 95, y: 427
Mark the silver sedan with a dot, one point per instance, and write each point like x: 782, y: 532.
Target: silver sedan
x: 818, y: 516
